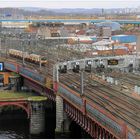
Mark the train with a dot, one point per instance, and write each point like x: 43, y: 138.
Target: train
x: 33, y: 58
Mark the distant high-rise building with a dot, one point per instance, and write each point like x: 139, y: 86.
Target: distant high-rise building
x: 102, y: 11
x: 0, y: 26
x: 127, y: 10
x: 138, y: 9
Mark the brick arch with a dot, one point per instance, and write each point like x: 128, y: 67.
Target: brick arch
x: 24, y: 105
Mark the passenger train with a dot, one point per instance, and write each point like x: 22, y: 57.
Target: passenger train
x: 33, y: 58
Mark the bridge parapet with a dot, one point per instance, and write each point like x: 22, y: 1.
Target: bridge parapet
x: 11, y: 66
x: 107, y: 121
x: 26, y: 72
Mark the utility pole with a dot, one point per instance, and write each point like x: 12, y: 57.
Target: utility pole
x: 113, y: 53
x: 23, y: 57
x: 40, y: 63
x: 82, y: 82
x: 55, y: 77
x: 6, y: 48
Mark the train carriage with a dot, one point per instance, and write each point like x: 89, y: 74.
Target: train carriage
x: 33, y: 58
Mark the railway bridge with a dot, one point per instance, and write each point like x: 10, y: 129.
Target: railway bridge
x: 94, y: 110
x: 33, y: 106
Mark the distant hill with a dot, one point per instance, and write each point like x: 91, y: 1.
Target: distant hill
x: 82, y: 11
x: 34, y: 9
x: 27, y: 11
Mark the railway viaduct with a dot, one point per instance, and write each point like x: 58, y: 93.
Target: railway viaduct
x: 95, y: 120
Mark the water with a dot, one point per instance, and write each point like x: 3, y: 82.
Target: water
x: 17, y: 129
x: 15, y: 125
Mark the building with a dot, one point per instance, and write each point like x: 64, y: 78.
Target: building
x: 102, y: 45
x: 124, y: 38
x: 138, y: 44
x: 72, y: 27
x: 113, y: 25
x: 0, y: 26
x: 44, y: 32
x: 63, y: 32
x: 104, y: 31
x: 15, y: 24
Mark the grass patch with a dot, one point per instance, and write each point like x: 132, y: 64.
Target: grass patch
x: 9, y: 95
x: 37, y: 98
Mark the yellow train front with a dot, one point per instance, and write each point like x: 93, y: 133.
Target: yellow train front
x: 36, y: 59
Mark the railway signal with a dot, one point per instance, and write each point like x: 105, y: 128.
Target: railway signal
x: 88, y: 66
x: 63, y: 68
x: 76, y: 67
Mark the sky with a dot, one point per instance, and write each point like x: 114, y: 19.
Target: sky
x: 71, y: 3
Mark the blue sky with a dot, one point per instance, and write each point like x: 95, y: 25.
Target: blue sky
x: 71, y: 3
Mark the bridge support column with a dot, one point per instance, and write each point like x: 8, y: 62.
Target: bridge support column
x: 66, y: 123
x: 62, y: 121
x: 37, y: 118
x: 59, y: 114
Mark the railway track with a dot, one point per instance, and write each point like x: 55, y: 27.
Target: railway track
x: 109, y: 98
x: 127, y: 78
x: 114, y: 101
x: 121, y: 109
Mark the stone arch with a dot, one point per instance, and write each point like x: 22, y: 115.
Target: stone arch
x: 23, y: 105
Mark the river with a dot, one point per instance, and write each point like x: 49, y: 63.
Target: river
x: 15, y: 125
